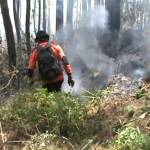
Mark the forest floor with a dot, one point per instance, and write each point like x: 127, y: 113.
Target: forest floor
x: 114, y: 118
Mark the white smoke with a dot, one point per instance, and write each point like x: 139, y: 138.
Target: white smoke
x: 84, y: 53
x: 92, y: 64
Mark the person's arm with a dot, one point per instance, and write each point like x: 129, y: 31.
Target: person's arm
x: 67, y: 67
x: 68, y: 70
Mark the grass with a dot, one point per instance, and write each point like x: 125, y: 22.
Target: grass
x: 131, y: 138
x: 62, y: 121
x: 39, y: 111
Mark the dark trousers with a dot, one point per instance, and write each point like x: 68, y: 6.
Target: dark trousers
x: 53, y: 87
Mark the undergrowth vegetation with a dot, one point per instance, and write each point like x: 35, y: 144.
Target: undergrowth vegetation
x: 39, y: 111
x: 131, y: 138
x: 63, y: 121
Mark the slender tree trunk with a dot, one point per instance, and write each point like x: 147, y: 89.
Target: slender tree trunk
x: 44, y: 15
x: 59, y: 14
x: 70, y: 4
x: 28, y: 3
x: 34, y: 17
x: 97, y: 3
x: 9, y: 33
x: 89, y: 5
x: 16, y: 13
x: 39, y: 19
x: 84, y: 6
x: 48, y: 26
x: 16, y: 6
x: 113, y: 7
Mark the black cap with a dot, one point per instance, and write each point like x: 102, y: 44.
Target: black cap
x: 41, y: 35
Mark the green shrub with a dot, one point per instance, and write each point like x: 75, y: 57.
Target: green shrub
x: 39, y: 111
x: 131, y: 139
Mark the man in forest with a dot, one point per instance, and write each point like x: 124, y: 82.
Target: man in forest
x: 49, y: 58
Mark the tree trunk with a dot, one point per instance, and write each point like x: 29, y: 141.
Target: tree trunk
x: 34, y: 17
x: 70, y: 4
x: 113, y: 7
x: 39, y: 19
x: 44, y: 15
x: 16, y: 13
x: 16, y: 7
x: 59, y: 14
x: 16, y: 19
x: 9, y: 33
x: 48, y: 26
x: 84, y: 6
x: 28, y: 3
x: 89, y: 5
x: 97, y: 2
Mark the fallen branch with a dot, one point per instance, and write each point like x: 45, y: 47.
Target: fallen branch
x: 17, y: 142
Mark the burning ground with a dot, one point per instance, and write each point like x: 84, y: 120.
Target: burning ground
x: 97, y: 54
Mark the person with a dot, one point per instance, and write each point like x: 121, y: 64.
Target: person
x: 46, y: 52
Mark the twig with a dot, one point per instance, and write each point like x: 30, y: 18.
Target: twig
x: 147, y: 124
x: 37, y: 129
x: 89, y: 92
x: 17, y: 141
x: 10, y: 80
x: 67, y: 140
x: 87, y: 145
x: 145, y: 87
x: 3, y: 137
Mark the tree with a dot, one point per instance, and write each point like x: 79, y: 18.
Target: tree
x: 44, y: 15
x: 97, y: 3
x: 84, y: 6
x: 39, y: 19
x: 34, y: 17
x: 9, y: 33
x: 70, y: 4
x: 48, y: 19
x: 89, y: 5
x: 110, y: 40
x: 16, y: 8
x: 113, y: 7
x: 59, y: 14
x: 28, y: 3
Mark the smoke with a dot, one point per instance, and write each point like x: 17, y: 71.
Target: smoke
x: 96, y: 56
x: 134, y: 55
x: 91, y: 67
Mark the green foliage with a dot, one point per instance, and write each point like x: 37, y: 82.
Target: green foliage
x: 95, y: 94
x: 39, y: 111
x: 141, y: 93
x: 131, y: 139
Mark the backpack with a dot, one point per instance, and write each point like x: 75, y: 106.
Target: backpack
x: 49, y: 66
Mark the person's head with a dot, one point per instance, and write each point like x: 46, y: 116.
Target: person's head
x: 41, y: 36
